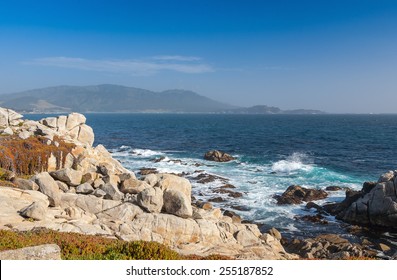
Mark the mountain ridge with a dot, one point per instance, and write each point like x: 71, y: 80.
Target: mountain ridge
x: 122, y: 99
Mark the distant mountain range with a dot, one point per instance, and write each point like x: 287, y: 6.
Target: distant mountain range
x: 115, y: 98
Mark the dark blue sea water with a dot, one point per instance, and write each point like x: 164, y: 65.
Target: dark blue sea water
x: 273, y: 152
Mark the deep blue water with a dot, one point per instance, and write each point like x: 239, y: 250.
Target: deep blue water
x: 273, y: 152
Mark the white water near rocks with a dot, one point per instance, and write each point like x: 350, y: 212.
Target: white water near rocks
x: 257, y: 182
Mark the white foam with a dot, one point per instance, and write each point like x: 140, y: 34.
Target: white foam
x: 123, y: 147
x: 146, y: 152
x: 295, y: 162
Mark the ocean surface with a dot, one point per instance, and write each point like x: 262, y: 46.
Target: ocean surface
x: 272, y: 151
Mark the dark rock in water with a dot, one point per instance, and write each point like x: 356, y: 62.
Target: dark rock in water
x: 318, y: 219
x: 240, y: 207
x: 146, y: 171
x: 217, y: 199
x: 228, y: 192
x: 218, y: 156
x: 311, y: 205
x: 333, y: 188
x: 205, y: 178
x: 296, y: 194
x: 158, y: 159
x: 327, y: 246
x: 227, y: 186
x: 339, y: 209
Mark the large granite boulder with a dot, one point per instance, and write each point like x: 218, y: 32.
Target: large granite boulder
x: 151, y: 199
x: 74, y: 120
x: 176, y: 203
x: 68, y: 175
x: 133, y: 186
x: 36, y: 210
x: 86, y: 135
x: 173, y: 182
x: 25, y: 184
x: 376, y: 206
x: 218, y: 156
x: 112, y: 192
x: 297, y: 194
x: 49, y: 187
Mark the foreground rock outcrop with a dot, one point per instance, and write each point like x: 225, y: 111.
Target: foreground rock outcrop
x: 92, y: 193
x: 329, y: 246
x: 41, y: 252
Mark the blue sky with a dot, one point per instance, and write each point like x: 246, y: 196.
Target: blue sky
x: 336, y: 56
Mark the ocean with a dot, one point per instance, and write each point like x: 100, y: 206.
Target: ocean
x: 272, y: 152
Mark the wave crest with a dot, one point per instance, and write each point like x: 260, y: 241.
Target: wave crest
x: 295, y: 162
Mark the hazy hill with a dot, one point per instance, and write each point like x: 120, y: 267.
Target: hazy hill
x: 115, y: 98
x: 109, y: 98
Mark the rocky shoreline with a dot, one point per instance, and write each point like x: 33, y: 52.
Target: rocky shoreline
x: 83, y: 189
x: 92, y: 193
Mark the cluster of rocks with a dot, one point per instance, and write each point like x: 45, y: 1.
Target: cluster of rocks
x: 329, y: 246
x: 375, y: 205
x: 71, y: 128
x: 95, y: 194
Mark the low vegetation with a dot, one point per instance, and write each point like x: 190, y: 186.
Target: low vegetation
x: 28, y: 156
x: 75, y: 246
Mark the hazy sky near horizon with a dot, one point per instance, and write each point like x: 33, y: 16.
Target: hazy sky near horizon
x: 336, y: 56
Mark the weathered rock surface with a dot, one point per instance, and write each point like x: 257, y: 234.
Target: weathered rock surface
x: 218, y: 156
x: 49, y: 187
x: 297, y: 194
x: 9, y: 117
x: 25, y: 184
x: 133, y: 186
x: 36, y: 210
x: 328, y: 246
x: 177, y: 203
x: 41, y: 252
x: 112, y: 192
x: 68, y: 175
x: 151, y: 199
x: 375, y: 205
x: 84, y: 189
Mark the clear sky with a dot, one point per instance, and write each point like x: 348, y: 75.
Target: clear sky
x: 331, y: 55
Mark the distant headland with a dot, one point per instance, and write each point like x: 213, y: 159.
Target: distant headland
x: 122, y: 99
